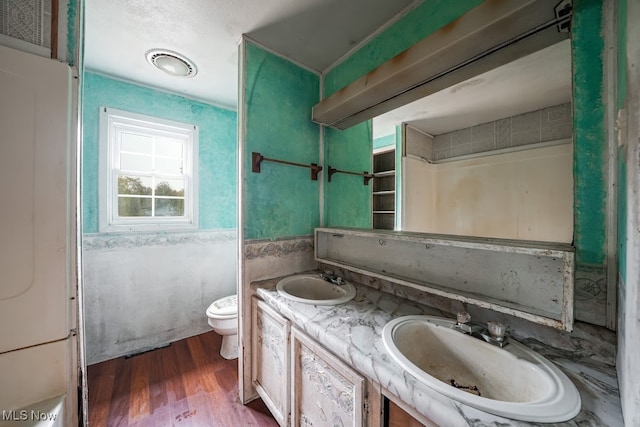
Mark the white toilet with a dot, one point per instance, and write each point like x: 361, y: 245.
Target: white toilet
x: 223, y: 318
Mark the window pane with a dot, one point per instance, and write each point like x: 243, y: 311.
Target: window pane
x: 171, y: 166
x: 169, y: 207
x: 135, y: 162
x: 169, y: 148
x: 134, y: 206
x: 170, y: 187
x: 136, y: 143
x: 136, y: 185
x: 149, y: 172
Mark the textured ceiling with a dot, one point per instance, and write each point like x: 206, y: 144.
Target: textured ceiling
x: 315, y: 33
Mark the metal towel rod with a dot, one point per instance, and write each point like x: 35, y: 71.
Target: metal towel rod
x: 257, y: 159
x: 366, y: 175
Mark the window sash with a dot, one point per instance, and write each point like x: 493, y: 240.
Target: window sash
x: 183, y: 175
x: 155, y: 179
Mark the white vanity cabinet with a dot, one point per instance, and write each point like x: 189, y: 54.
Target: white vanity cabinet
x: 270, y: 367
x: 301, y: 382
x: 325, y: 391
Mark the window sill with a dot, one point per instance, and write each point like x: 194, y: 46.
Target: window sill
x: 132, y: 228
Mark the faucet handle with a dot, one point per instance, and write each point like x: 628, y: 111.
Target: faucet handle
x: 497, y: 330
x: 463, y: 317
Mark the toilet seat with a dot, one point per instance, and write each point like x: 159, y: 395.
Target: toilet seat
x: 223, y: 318
x: 224, y: 308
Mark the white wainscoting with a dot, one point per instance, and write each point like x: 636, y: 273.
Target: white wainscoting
x: 145, y: 290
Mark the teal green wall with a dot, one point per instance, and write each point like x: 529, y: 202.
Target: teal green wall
x: 73, y: 30
x: 282, y: 200
x: 589, y: 134
x: 217, y: 163
x: 416, y: 25
x: 384, y: 141
x: 347, y: 200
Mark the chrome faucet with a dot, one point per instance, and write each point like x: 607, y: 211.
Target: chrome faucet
x: 493, y: 332
x: 332, y: 278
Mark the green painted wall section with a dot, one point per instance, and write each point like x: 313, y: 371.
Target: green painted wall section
x: 72, y: 31
x: 589, y: 133
x: 217, y: 143
x: 347, y: 200
x: 282, y: 200
x: 384, y: 141
x: 416, y: 25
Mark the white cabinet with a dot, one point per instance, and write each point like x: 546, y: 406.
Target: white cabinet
x: 325, y: 391
x: 302, y: 383
x: 270, y: 365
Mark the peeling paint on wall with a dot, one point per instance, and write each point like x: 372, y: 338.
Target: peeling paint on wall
x: 416, y: 25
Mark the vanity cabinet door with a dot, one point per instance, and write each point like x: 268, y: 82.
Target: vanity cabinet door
x: 325, y: 391
x: 270, y: 365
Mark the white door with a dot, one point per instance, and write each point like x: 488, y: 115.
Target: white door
x: 37, y: 228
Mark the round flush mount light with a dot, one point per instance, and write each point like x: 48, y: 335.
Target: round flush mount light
x: 172, y: 63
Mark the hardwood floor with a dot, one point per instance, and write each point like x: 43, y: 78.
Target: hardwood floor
x: 187, y: 384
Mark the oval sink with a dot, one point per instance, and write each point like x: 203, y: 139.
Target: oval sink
x: 513, y: 381
x: 312, y: 289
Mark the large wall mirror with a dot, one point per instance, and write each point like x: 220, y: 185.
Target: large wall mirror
x: 490, y: 148
x: 489, y: 157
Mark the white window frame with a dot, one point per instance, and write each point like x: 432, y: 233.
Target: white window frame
x: 112, y: 121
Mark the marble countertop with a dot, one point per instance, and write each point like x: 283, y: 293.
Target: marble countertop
x: 352, y: 331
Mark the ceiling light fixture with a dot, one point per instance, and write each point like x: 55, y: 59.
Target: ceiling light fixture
x: 172, y: 63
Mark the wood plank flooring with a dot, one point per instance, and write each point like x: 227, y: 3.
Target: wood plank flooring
x: 187, y: 384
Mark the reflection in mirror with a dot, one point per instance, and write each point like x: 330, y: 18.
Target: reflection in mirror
x: 488, y: 157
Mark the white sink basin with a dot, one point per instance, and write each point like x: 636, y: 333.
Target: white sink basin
x: 312, y: 289
x: 513, y: 381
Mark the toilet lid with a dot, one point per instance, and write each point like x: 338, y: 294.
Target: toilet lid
x: 227, y: 306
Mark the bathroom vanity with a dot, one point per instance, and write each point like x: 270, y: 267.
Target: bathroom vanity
x: 327, y: 365
x: 289, y: 368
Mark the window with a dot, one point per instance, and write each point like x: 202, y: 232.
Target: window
x: 148, y: 172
